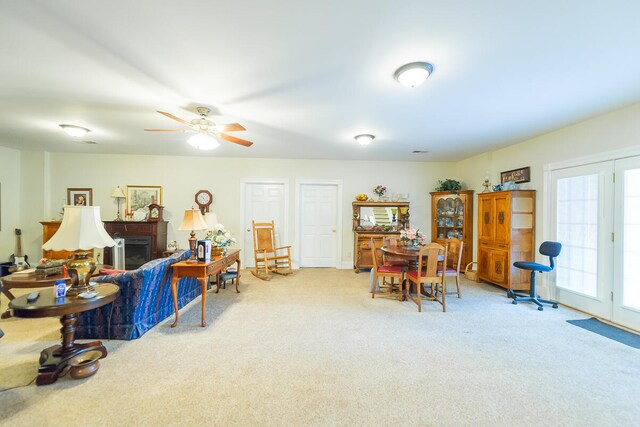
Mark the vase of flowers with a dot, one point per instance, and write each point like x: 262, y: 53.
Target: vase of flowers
x: 220, y: 238
x: 413, y: 238
x: 380, y: 191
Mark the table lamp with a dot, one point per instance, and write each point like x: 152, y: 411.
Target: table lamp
x: 118, y: 194
x: 192, y: 220
x: 81, y: 230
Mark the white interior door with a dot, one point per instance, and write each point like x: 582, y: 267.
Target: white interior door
x: 626, y: 291
x: 263, y: 202
x: 318, y: 225
x: 583, y: 223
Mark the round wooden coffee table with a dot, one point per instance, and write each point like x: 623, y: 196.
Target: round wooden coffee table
x: 26, y: 282
x: 54, y: 359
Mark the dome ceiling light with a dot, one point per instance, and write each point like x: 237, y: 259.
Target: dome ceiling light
x: 364, y: 139
x: 75, y: 131
x: 413, y: 74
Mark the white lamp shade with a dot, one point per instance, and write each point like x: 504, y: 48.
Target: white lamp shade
x: 211, y: 219
x: 202, y: 141
x: 82, y: 229
x: 118, y: 193
x: 193, y: 220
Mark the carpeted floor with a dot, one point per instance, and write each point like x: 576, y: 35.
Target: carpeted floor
x: 315, y: 349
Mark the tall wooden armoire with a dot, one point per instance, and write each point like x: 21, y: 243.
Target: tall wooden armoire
x: 506, y: 233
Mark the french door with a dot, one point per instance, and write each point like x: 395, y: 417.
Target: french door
x: 595, y: 217
x: 626, y: 292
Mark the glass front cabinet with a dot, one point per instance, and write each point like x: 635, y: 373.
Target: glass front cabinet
x: 375, y: 220
x: 452, y: 216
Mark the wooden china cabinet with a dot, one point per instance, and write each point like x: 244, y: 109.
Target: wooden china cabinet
x: 375, y: 220
x: 452, y: 216
x: 505, y: 235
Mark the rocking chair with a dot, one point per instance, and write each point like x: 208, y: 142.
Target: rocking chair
x: 266, y: 255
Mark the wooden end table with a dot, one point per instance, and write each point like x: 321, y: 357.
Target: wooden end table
x: 54, y: 359
x: 202, y: 271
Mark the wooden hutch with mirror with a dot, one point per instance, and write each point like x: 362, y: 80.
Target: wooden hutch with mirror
x: 375, y: 220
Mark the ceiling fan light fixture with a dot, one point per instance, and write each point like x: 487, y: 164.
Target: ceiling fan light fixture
x: 413, y: 74
x: 364, y: 139
x: 74, y: 131
x: 203, y: 141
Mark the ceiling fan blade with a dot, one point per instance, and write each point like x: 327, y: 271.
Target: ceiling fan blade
x: 236, y: 140
x: 171, y: 116
x: 230, y: 127
x: 166, y: 130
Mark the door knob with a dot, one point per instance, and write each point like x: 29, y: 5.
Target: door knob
x: 333, y: 230
x: 248, y: 229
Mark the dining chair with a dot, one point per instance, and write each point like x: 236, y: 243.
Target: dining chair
x: 427, y: 272
x: 385, y: 271
x: 454, y: 258
x: 390, y: 259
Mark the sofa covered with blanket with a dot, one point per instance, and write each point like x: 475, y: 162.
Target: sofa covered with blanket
x: 144, y: 301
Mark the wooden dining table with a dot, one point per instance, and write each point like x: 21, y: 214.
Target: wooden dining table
x: 410, y: 256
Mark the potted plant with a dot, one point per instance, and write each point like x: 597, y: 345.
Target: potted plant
x: 449, y: 185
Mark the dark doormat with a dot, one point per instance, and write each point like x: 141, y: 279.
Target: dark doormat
x: 609, y: 331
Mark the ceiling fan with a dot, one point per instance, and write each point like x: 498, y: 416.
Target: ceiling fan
x: 203, y: 127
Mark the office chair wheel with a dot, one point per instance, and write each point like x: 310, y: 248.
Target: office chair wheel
x: 555, y: 306
x: 540, y: 308
x: 510, y: 294
x: 514, y: 302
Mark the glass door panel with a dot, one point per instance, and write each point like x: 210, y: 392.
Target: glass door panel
x: 626, y: 292
x: 583, y: 222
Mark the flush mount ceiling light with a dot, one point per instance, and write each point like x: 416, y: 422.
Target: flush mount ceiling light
x: 413, y: 74
x: 75, y: 131
x: 364, y: 139
x: 203, y: 141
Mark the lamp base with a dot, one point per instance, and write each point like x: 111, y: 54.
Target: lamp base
x: 193, y: 259
x: 80, y: 269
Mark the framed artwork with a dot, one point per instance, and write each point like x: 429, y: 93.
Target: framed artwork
x: 516, y: 175
x: 140, y: 196
x: 80, y: 196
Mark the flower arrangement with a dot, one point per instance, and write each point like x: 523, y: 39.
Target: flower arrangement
x: 413, y: 237
x: 380, y: 190
x: 220, y: 237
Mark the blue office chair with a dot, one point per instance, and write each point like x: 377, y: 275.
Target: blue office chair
x: 550, y: 249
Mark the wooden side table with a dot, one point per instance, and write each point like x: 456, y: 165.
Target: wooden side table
x: 19, y: 281
x: 202, y: 271
x: 54, y: 359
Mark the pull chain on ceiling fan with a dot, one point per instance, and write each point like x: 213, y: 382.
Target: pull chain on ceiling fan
x: 206, y: 131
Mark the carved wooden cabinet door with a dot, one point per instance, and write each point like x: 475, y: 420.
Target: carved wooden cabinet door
x: 486, y: 228
x: 502, y: 218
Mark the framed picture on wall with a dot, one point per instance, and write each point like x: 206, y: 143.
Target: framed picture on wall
x: 80, y: 196
x: 140, y: 196
x: 516, y: 175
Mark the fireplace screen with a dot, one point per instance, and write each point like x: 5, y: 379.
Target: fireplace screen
x: 137, y: 251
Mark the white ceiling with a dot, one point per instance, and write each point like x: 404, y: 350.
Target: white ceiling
x: 304, y: 77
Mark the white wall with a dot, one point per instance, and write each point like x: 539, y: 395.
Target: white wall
x: 10, y: 199
x: 613, y: 131
x: 182, y: 177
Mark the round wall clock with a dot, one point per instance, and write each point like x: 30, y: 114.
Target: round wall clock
x: 204, y: 198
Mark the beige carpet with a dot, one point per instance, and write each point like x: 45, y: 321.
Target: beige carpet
x: 315, y: 349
